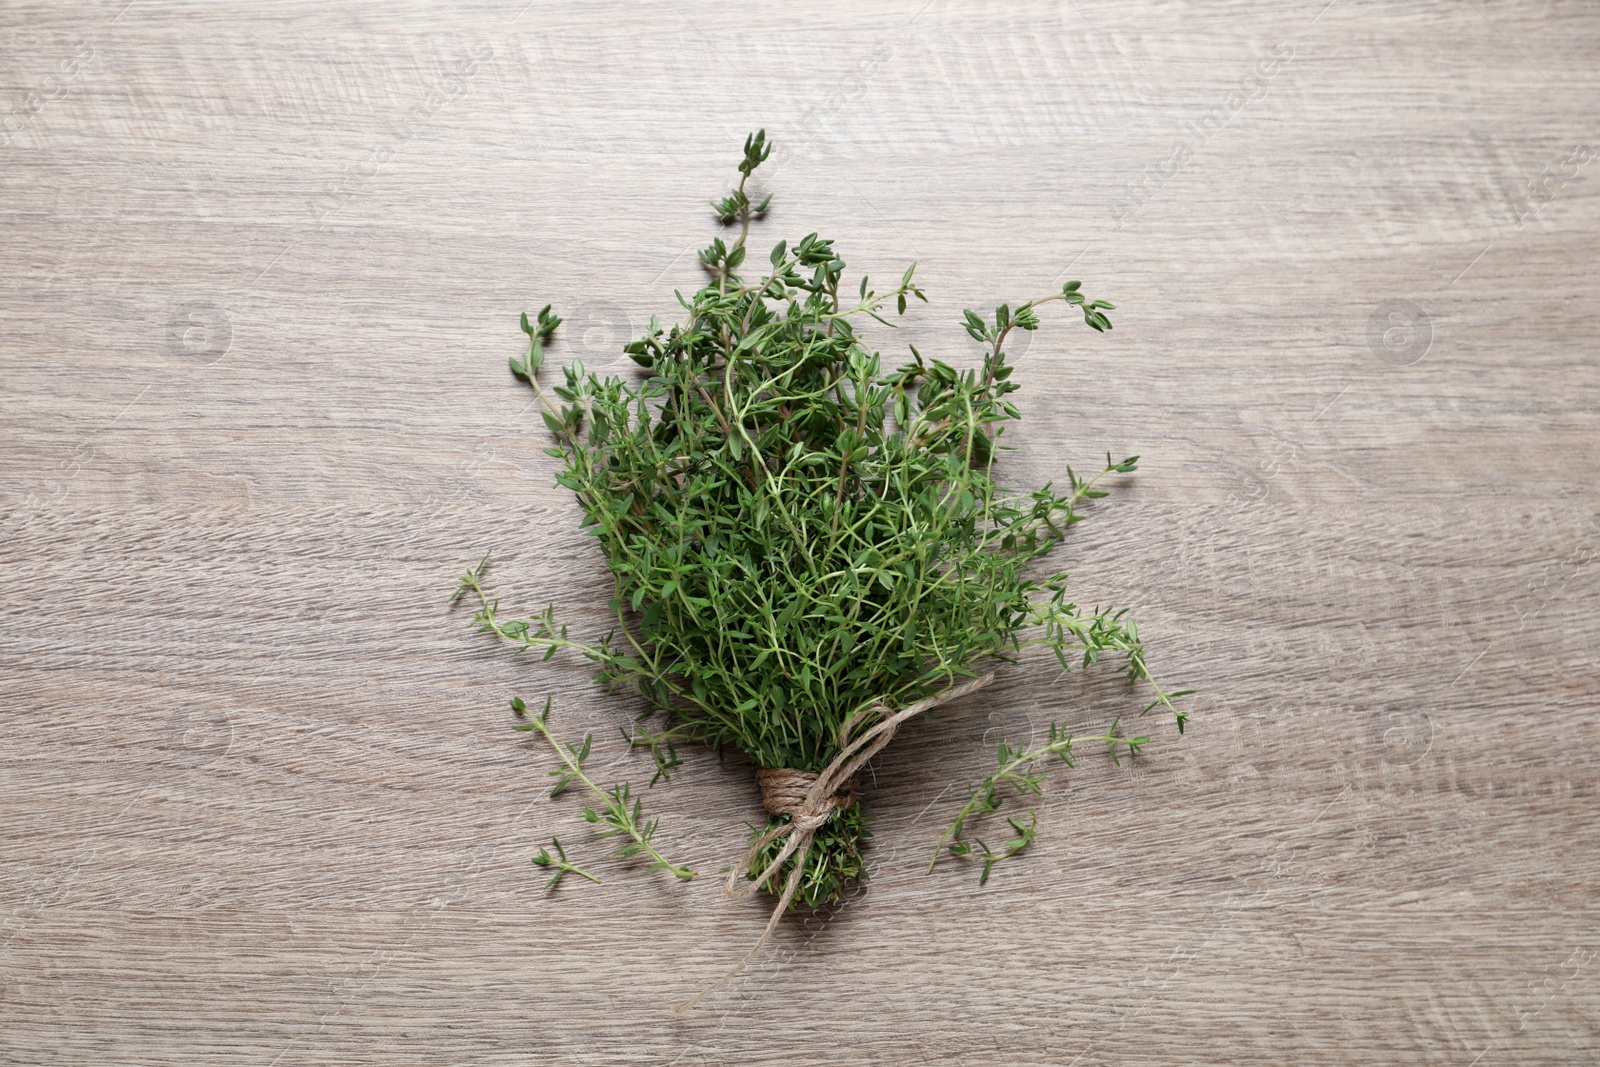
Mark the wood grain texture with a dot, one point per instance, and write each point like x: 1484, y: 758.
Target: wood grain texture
x: 263, y: 269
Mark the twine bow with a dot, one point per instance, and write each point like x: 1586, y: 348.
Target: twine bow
x: 828, y: 790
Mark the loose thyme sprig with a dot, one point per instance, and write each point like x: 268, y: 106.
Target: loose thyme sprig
x: 540, y: 632
x: 1014, y: 767
x: 621, y: 812
x: 976, y: 847
x: 562, y: 865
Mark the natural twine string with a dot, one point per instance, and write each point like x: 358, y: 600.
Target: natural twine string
x: 810, y: 801
x: 783, y: 791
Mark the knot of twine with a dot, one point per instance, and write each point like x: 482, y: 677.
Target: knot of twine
x: 810, y: 801
x: 785, y: 791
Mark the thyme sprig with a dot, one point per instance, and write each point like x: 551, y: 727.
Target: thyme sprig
x: 620, y: 812
x: 562, y: 865
x: 1014, y: 766
x: 989, y: 856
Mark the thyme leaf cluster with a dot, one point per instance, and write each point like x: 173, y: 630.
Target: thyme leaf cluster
x: 798, y: 530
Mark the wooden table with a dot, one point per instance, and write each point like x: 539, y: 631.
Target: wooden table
x: 263, y: 267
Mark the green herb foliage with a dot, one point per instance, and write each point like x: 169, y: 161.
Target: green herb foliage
x: 562, y: 865
x: 989, y: 856
x: 1015, y: 767
x: 620, y: 814
x: 796, y: 532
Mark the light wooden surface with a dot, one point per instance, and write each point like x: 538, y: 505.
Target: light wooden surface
x: 262, y: 271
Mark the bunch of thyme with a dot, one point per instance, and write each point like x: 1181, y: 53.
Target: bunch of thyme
x: 797, y: 534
